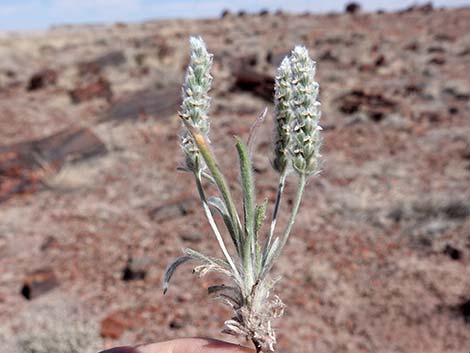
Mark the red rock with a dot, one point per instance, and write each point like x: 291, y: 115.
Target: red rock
x: 114, y: 325
x: 23, y: 164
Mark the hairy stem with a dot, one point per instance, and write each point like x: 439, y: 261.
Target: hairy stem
x: 295, y: 210
x: 213, y: 225
x: 277, y: 249
x: 280, y: 190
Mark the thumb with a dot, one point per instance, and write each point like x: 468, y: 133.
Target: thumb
x: 185, y: 345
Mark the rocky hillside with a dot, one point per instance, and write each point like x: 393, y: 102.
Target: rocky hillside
x: 92, y: 208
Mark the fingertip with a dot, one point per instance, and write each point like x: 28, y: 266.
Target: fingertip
x: 192, y: 345
x: 123, y: 349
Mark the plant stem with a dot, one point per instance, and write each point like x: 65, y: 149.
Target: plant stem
x: 212, y: 223
x: 295, y: 210
x: 275, y: 250
x: 280, y: 190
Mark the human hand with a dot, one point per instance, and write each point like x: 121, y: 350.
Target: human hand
x: 184, y: 345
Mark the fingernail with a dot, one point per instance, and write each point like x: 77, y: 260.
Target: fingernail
x: 124, y: 349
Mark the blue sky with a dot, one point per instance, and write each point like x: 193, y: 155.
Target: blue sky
x: 40, y: 14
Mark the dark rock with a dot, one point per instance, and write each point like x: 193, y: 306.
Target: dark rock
x: 248, y: 79
x: 413, y: 46
x: 49, y: 243
x: 39, y: 282
x: 136, y: 268
x: 10, y: 73
x: 225, y: 13
x: 327, y: 55
x: 176, y: 324
x: 98, y: 88
x: 457, y: 210
x: 158, y: 103
x: 436, y: 49
x: 42, y: 79
x: 464, y: 52
x: 396, y: 214
x: 175, y: 208
x: 114, y: 58
x: 429, y: 115
x: 275, y: 58
x: 263, y: 12
x: 374, y: 104
x: 457, y: 93
x: 380, y: 61
x: 463, y: 309
x: 425, y: 8
x: 437, y: 60
x: 453, y: 253
x: 352, y: 8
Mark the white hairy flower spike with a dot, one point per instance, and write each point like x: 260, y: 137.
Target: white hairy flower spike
x: 196, y: 101
x: 305, y: 148
x: 284, y: 116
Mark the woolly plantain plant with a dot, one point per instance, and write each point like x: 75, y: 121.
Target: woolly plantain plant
x: 296, y: 149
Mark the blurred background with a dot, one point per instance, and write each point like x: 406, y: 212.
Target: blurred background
x: 92, y: 208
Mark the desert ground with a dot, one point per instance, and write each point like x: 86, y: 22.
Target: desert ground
x: 93, y: 209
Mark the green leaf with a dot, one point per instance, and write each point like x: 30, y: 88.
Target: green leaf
x: 249, y: 251
x: 209, y: 158
x: 248, y: 187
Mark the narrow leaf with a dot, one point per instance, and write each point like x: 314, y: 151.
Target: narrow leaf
x: 248, y: 209
x: 171, y: 269
x: 248, y: 187
x: 208, y: 260
x: 219, y: 205
x: 234, y: 291
x: 229, y: 293
x: 219, y: 179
